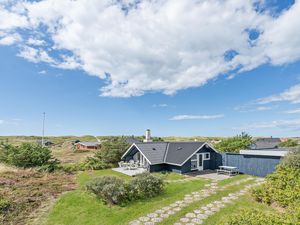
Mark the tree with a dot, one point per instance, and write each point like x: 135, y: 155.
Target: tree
x: 109, y: 155
x: 234, y: 144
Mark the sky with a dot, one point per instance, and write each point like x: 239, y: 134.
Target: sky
x: 177, y: 67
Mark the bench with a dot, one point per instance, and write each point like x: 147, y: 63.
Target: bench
x: 230, y: 170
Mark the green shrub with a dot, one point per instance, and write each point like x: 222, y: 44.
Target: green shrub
x: 288, y: 143
x: 146, y: 185
x: 109, y: 155
x: 72, y: 167
x: 254, y: 217
x: 283, y: 186
x: 51, y: 166
x: 234, y: 144
x: 110, y: 189
x: 113, y: 190
x: 26, y: 155
x: 4, y: 205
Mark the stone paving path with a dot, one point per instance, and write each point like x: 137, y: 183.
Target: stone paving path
x: 198, y: 216
x: 160, y: 214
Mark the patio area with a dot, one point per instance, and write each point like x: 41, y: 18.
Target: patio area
x: 209, y: 174
x: 129, y: 172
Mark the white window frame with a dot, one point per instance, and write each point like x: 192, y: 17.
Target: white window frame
x: 205, y: 154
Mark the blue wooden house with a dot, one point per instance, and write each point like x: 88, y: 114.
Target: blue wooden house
x: 180, y: 157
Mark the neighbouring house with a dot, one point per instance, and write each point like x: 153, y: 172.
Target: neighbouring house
x: 265, y: 143
x: 87, y: 145
x: 45, y: 143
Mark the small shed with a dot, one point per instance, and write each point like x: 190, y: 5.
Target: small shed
x: 255, y: 162
x: 88, y: 145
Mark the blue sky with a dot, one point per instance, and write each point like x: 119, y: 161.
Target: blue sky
x: 123, y: 79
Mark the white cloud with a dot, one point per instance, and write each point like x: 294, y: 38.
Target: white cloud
x: 197, y: 117
x: 281, y: 124
x: 291, y: 95
x: 251, y: 108
x: 1, y: 121
x: 292, y: 111
x: 164, y: 46
x: 36, y: 42
x: 10, y: 39
x: 43, y: 72
x: 162, y: 105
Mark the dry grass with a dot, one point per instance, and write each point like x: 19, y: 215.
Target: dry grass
x: 26, y: 190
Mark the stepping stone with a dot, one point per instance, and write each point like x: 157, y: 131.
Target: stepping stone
x: 204, y: 208
x: 149, y: 223
x: 202, y: 216
x: 197, y: 211
x: 156, y: 220
x: 188, y: 196
x: 182, y: 205
x: 178, y: 224
x: 144, y: 219
x: 215, y: 209
x: 177, y: 209
x: 164, y: 215
x: 190, y: 215
x: 195, y: 193
x: 152, y: 215
x: 173, y: 205
x: 189, y: 224
x: 208, y: 212
x: 217, y: 202
x: 135, y: 222
x: 184, y: 220
x: 179, y: 202
x: 166, y: 208
x: 210, y: 205
x: 159, y: 211
x: 170, y: 212
x: 188, y: 201
x: 197, y: 221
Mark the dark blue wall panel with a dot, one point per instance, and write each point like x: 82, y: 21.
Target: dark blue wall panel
x: 251, y: 164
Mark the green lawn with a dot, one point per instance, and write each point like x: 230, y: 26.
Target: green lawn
x: 80, y: 207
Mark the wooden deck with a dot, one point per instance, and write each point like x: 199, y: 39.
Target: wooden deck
x: 130, y: 172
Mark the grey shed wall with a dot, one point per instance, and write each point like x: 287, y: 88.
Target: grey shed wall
x: 255, y: 165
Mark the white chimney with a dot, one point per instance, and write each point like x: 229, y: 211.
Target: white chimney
x: 148, y: 136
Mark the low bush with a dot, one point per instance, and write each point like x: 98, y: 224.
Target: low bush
x: 4, y: 205
x: 115, y: 191
x: 146, y: 185
x: 283, y: 186
x: 288, y: 143
x: 110, y: 189
x: 254, y: 217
